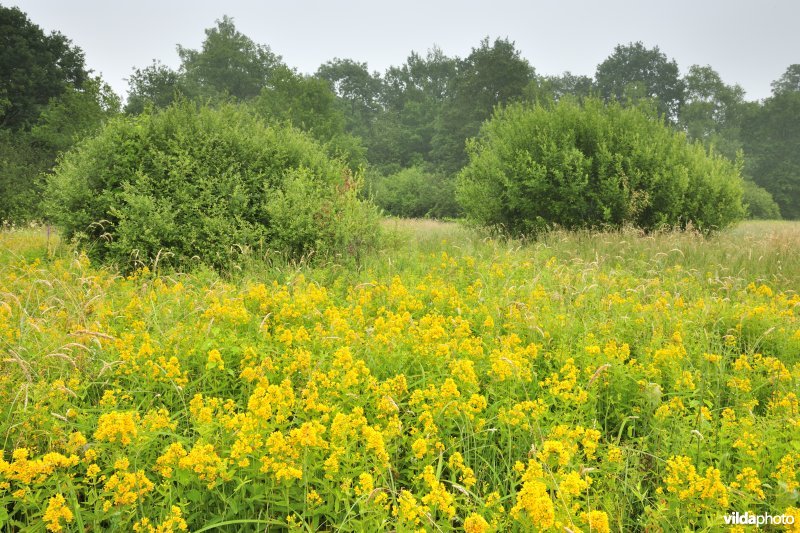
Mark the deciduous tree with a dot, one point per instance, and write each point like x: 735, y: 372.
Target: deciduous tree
x: 156, y: 85
x: 771, y: 136
x: 228, y: 63
x: 635, y: 72
x: 34, y: 67
x: 493, y: 73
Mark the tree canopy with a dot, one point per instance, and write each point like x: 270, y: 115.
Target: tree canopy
x: 410, y: 123
x: 771, y: 140
x: 48, y: 101
x: 635, y: 72
x: 34, y: 67
x: 228, y: 63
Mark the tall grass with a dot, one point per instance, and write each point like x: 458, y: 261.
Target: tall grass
x: 606, y: 381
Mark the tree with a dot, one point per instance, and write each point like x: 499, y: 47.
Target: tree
x: 74, y: 115
x: 759, y: 202
x: 308, y: 103
x: 712, y: 111
x: 358, y: 91
x: 412, y: 99
x: 20, y: 165
x: 48, y: 101
x: 493, y: 74
x: 304, y: 101
x: 430, y: 76
x: 34, y: 67
x: 229, y: 63
x: 788, y: 82
x: 415, y: 192
x: 156, y: 85
x: 771, y: 135
x: 546, y: 89
x: 634, y: 72
x: 25, y: 156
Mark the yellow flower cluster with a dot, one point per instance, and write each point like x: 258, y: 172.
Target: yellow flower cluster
x: 705, y: 491
x: 117, y: 426
x: 173, y: 522
x: 57, y: 511
x: 26, y: 471
x: 787, y: 472
x: 533, y: 501
x: 437, y: 497
x: 488, y: 387
x: 126, y: 488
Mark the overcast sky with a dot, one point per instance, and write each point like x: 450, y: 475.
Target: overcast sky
x: 748, y: 42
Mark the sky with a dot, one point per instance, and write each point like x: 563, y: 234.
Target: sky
x: 748, y: 42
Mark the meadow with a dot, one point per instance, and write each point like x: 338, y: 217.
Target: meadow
x: 585, y: 381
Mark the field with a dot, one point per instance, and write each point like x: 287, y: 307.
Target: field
x: 583, y: 382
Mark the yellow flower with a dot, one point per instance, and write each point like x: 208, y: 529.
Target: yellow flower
x: 365, y: 485
x: 597, y: 521
x: 76, y: 442
x: 535, y: 503
x: 27, y: 471
x: 215, y: 360
x: 794, y: 513
x: 615, y: 454
x: 557, y: 448
x: 158, y: 419
x: 475, y: 523
x: 467, y: 477
x: 408, y: 509
x: 127, y: 487
x: 420, y: 448
x: 313, y: 499
x: 375, y: 443
x: 749, y: 481
x: 573, y: 484
x: 117, y: 426
x: 786, y: 472
x: 56, y: 511
x: 204, y: 461
x: 173, y: 522
x: 523, y: 413
x: 533, y: 500
x: 700, y: 492
x: 92, y: 471
x: 438, y: 496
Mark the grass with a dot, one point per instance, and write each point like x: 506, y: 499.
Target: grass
x: 608, y: 381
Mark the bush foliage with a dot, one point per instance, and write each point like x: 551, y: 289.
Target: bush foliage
x: 415, y: 192
x: 759, y: 202
x: 198, y: 184
x: 593, y: 165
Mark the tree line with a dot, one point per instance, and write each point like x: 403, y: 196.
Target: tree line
x: 407, y: 126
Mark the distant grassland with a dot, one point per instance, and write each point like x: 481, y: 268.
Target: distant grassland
x: 580, y: 382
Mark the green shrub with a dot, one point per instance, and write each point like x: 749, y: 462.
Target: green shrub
x: 198, y: 184
x: 593, y: 166
x: 416, y: 192
x: 759, y: 202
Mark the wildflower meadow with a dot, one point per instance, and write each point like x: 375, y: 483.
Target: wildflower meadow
x: 598, y: 382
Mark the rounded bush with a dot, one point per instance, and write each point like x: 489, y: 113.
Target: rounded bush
x: 593, y: 165
x: 196, y: 184
x: 415, y: 192
x: 759, y: 202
